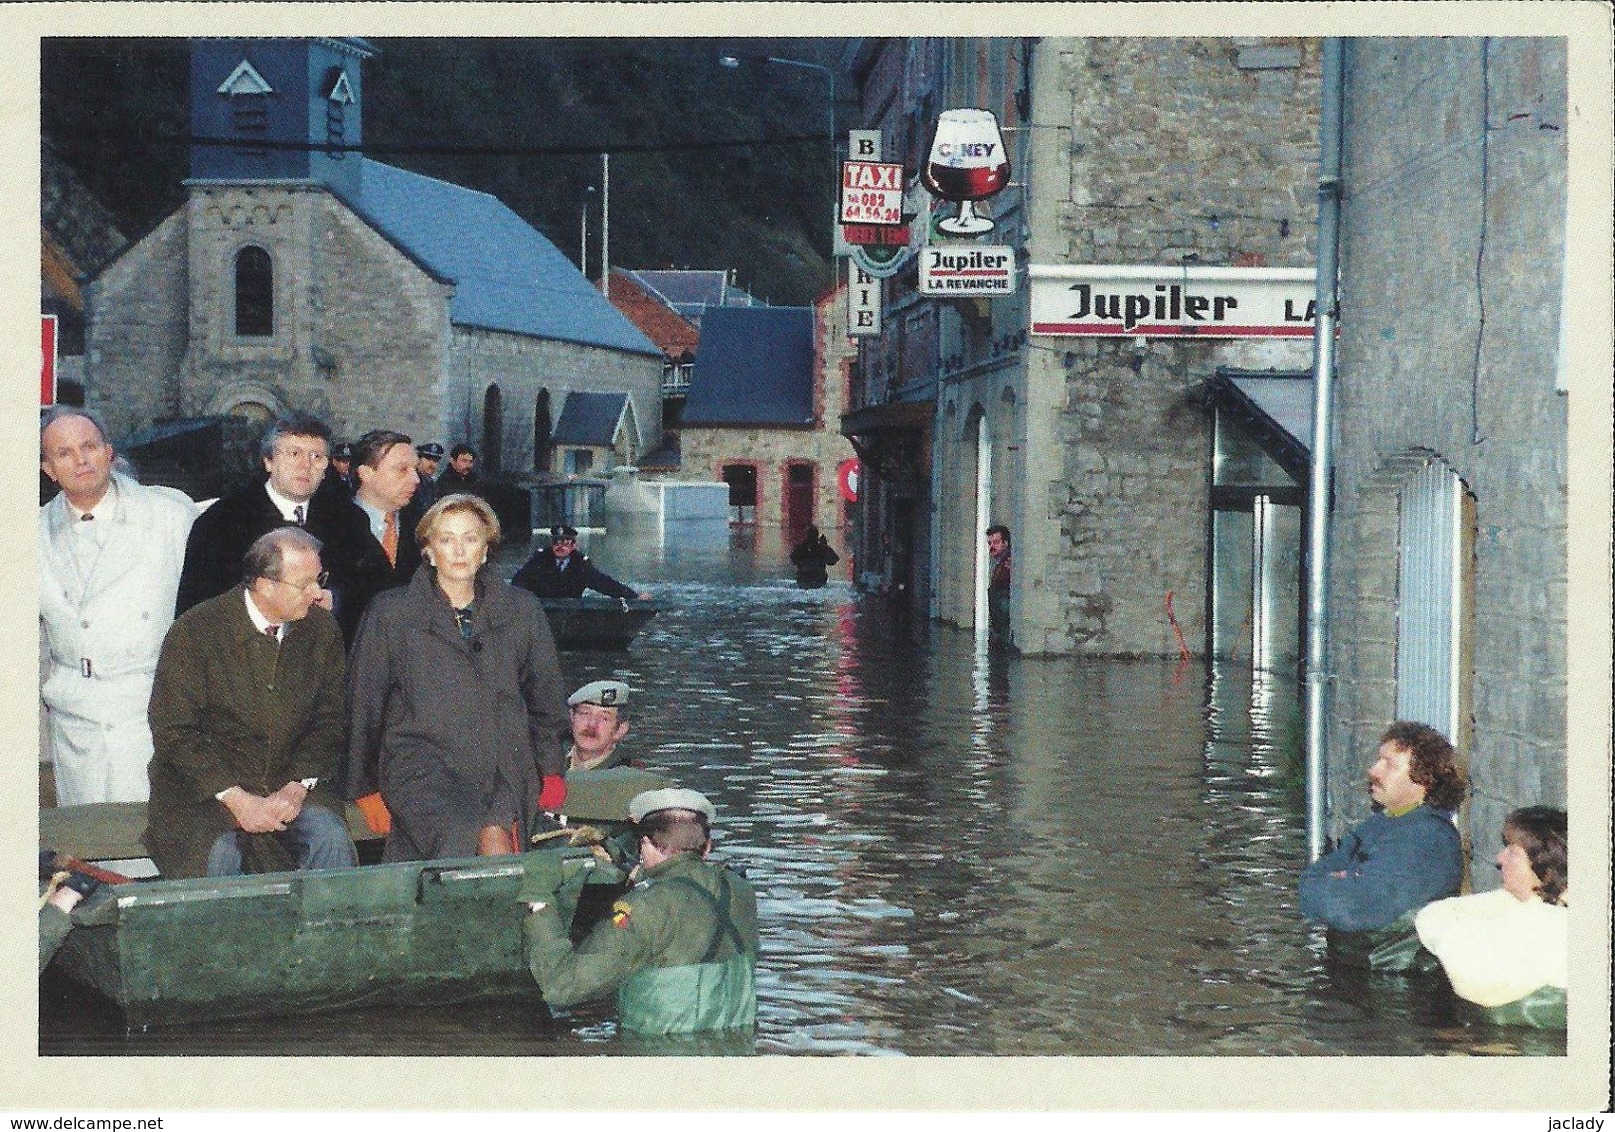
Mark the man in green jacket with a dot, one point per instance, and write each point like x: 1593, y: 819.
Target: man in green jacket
x: 598, y: 713
x: 680, y: 948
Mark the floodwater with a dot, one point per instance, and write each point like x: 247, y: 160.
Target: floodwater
x: 954, y: 853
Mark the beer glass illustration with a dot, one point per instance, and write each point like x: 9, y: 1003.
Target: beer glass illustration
x: 967, y: 163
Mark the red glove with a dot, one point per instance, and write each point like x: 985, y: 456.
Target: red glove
x: 553, y: 796
x: 375, y: 814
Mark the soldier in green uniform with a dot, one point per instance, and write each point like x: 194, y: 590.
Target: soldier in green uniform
x: 598, y: 713
x: 680, y: 948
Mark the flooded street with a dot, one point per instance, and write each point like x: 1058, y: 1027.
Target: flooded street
x: 954, y: 854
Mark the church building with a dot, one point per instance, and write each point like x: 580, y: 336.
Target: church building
x: 301, y: 274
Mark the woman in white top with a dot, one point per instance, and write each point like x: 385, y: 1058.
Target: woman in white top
x: 1498, y: 947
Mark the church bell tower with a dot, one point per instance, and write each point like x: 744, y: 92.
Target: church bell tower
x: 277, y: 109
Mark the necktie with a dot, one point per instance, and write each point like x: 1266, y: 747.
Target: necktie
x: 272, y: 632
x: 297, y: 514
x: 389, y: 537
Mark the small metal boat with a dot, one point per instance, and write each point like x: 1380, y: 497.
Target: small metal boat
x: 422, y: 932
x: 596, y: 622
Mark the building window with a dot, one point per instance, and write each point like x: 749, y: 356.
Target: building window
x: 255, y: 293
x: 543, y: 426
x: 742, y: 481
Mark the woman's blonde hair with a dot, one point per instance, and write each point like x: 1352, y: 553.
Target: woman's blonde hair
x: 458, y: 503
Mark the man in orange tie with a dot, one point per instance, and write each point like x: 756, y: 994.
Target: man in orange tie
x: 384, y: 465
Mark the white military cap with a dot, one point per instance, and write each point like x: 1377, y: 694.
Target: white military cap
x: 602, y: 693
x: 671, y: 798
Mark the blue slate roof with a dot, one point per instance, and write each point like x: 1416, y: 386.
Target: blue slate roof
x: 506, y: 275
x: 589, y: 419
x: 754, y: 367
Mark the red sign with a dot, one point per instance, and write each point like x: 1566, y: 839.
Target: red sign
x: 847, y: 480
x: 871, y: 192
x: 875, y: 235
x: 47, y: 359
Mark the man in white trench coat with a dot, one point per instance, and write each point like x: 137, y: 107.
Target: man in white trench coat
x: 110, y: 552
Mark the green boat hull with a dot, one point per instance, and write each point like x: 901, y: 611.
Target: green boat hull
x: 415, y: 933
x: 419, y: 933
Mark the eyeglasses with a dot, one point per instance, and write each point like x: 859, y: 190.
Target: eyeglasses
x: 303, y: 455
x: 307, y: 587
x: 564, y: 542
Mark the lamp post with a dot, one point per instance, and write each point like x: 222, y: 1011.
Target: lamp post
x: 583, y: 232
x: 733, y: 61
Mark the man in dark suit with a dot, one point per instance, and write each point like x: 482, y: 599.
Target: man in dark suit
x: 386, y: 553
x: 460, y: 475
x: 295, y: 453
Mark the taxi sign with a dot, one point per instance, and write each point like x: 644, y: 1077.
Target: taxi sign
x: 871, y: 192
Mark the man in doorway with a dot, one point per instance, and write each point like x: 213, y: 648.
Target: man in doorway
x: 110, y: 553
x: 999, y: 563
x: 680, y: 948
x: 599, y: 718
x: 295, y: 451
x: 385, y: 469
x: 461, y: 474
x: 248, y: 721
x: 1408, y: 852
x: 558, y: 570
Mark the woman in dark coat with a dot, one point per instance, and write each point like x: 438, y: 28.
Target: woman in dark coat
x: 454, y: 700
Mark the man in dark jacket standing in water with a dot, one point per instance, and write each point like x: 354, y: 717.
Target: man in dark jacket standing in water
x: 1408, y: 852
x: 680, y: 949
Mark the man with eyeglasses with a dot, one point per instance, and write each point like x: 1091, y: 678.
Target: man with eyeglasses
x: 295, y: 451
x: 560, y: 571
x: 248, y: 721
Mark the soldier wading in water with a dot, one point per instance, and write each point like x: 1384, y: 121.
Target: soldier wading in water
x: 680, y: 948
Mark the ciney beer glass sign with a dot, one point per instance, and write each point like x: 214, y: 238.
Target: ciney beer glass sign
x: 966, y: 163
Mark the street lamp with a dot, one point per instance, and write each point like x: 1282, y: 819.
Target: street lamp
x: 732, y: 62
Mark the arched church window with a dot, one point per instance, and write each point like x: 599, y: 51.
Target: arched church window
x: 543, y: 427
x: 255, y: 293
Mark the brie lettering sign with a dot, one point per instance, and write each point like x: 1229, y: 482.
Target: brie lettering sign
x: 871, y: 192
x: 965, y: 270
x: 1213, y: 302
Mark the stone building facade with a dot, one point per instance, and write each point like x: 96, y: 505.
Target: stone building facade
x: 388, y: 299
x: 1177, y: 151
x: 1096, y: 452
x: 807, y: 452
x: 1451, y: 418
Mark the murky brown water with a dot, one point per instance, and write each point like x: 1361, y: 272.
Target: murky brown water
x: 954, y: 854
